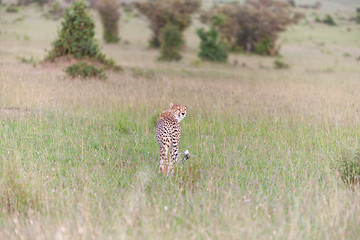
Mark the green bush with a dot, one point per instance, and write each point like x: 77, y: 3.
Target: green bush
x: 30, y: 60
x: 265, y: 47
x: 170, y: 43
x: 76, y: 37
x: 278, y: 64
x: 196, y: 62
x: 110, y: 15
x: 211, y: 47
x: 85, y: 70
x: 357, y: 18
x: 12, y: 9
x: 349, y: 167
x: 329, y: 20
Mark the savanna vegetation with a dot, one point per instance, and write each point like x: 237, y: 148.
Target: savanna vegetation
x: 110, y: 15
x: 274, y: 142
x: 163, y: 12
x: 212, y: 47
x: 253, y: 26
x: 76, y: 41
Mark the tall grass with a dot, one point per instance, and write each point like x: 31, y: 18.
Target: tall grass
x: 95, y: 176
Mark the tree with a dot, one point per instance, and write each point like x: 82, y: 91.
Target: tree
x: 254, y: 23
x: 110, y: 15
x: 162, y: 12
x: 76, y: 40
x: 76, y: 37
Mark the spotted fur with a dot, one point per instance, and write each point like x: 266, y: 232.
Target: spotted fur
x: 168, y: 132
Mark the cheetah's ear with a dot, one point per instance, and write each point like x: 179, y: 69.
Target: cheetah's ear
x: 171, y: 105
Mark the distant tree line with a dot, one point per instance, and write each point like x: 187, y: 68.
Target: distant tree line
x: 252, y: 26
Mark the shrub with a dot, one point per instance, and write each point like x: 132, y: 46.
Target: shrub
x: 246, y: 25
x: 170, y: 43
x: 85, y: 70
x: 30, y: 60
x: 162, y: 12
x: 110, y: 15
x: 211, y: 47
x: 196, y: 62
x: 357, y: 18
x: 76, y: 37
x: 329, y: 20
x: 12, y: 9
x: 265, y: 47
x: 278, y: 64
x: 349, y: 167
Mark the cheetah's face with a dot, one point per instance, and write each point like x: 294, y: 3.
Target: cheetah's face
x: 179, y: 111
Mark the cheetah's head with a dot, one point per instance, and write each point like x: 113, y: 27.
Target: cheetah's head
x: 178, y: 110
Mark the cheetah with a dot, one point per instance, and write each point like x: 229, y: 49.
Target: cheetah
x: 168, y: 132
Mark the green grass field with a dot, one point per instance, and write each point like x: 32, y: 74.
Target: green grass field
x: 79, y: 158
